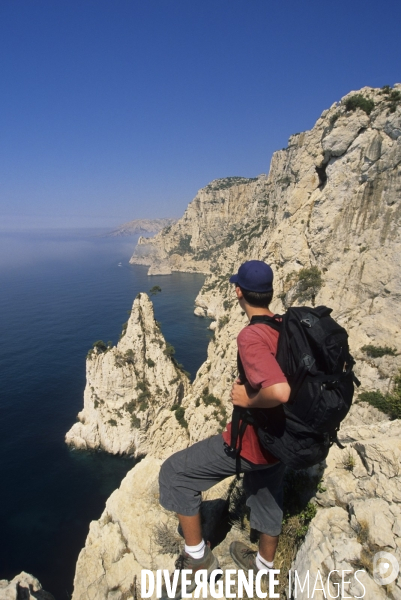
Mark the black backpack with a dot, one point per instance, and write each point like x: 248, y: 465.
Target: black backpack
x: 313, y: 354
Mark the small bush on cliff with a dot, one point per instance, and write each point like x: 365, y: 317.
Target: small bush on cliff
x: 359, y: 101
x: 378, y: 351
x: 183, y: 246
x: 124, y: 329
x: 179, y: 415
x: 100, y: 346
x: 169, y: 350
x: 223, y: 321
x: 129, y: 357
x: 386, y: 403
x: 309, y: 283
x: 135, y: 422
x: 395, y: 100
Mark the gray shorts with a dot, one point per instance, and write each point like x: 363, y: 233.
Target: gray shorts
x: 189, y: 472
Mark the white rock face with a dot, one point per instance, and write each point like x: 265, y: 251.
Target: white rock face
x: 331, y: 201
x: 124, y: 540
x: 23, y: 586
x: 129, y: 391
x: 361, y: 507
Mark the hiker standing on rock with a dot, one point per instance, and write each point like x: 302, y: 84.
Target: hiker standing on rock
x: 187, y: 473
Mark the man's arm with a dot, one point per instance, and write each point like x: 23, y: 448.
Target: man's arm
x: 268, y: 397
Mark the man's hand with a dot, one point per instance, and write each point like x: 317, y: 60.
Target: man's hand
x: 246, y: 397
x: 239, y: 394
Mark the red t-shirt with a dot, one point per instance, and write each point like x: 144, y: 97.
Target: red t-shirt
x: 257, y: 346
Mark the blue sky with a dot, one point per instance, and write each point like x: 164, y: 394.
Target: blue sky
x: 122, y: 109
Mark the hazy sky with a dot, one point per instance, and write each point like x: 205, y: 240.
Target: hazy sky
x: 119, y: 109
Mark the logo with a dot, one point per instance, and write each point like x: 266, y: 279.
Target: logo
x: 385, y: 568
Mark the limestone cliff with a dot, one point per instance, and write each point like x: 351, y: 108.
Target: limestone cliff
x: 358, y: 514
x: 331, y: 202
x: 326, y: 218
x: 142, y: 226
x: 130, y: 389
x: 24, y: 586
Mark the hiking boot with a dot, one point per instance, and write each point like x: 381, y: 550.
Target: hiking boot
x: 185, y: 561
x: 243, y: 556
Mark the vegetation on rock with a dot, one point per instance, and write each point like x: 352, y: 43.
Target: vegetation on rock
x: 180, y: 415
x: 227, y: 182
x: 386, y: 403
x: 378, y: 351
x: 359, y: 101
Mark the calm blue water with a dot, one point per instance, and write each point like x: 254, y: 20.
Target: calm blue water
x: 59, y: 293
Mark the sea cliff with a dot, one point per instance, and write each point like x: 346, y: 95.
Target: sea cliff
x: 326, y: 218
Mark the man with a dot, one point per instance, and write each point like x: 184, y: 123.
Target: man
x: 186, y: 474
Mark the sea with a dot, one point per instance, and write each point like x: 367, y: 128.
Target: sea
x: 60, y: 292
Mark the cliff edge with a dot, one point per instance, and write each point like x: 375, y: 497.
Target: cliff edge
x: 326, y: 218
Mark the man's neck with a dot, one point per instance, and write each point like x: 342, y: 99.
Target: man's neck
x: 252, y: 311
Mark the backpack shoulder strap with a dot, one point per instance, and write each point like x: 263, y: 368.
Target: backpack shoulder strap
x: 274, y: 322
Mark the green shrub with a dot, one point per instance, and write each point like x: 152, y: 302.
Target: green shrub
x: 378, y: 351
x: 112, y: 422
x: 334, y: 118
x: 179, y: 415
x: 359, y: 101
x: 309, y: 283
x: 169, y: 350
x: 348, y: 460
x: 209, y: 399
x: 284, y: 181
x: 142, y: 385
x: 143, y: 396
x: 184, y: 246
x: 131, y: 406
x: 386, y: 403
x: 135, y: 422
x: 227, y: 182
x: 129, y: 357
x: 124, y: 329
x: 150, y: 362
x: 243, y: 246
x: 395, y: 99
x: 143, y: 405
x: 100, y: 346
x: 223, y: 321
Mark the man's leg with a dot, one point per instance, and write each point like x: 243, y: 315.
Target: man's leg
x: 182, y: 479
x: 268, y: 546
x: 264, y: 490
x: 191, y: 529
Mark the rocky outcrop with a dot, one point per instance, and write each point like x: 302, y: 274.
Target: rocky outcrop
x: 327, y: 219
x: 360, y: 512
x: 130, y: 389
x: 142, y: 226
x: 135, y: 533
x: 358, y: 515
x: 331, y: 200
x: 23, y: 586
x: 190, y: 244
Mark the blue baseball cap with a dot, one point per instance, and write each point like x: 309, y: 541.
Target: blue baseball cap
x: 254, y: 276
